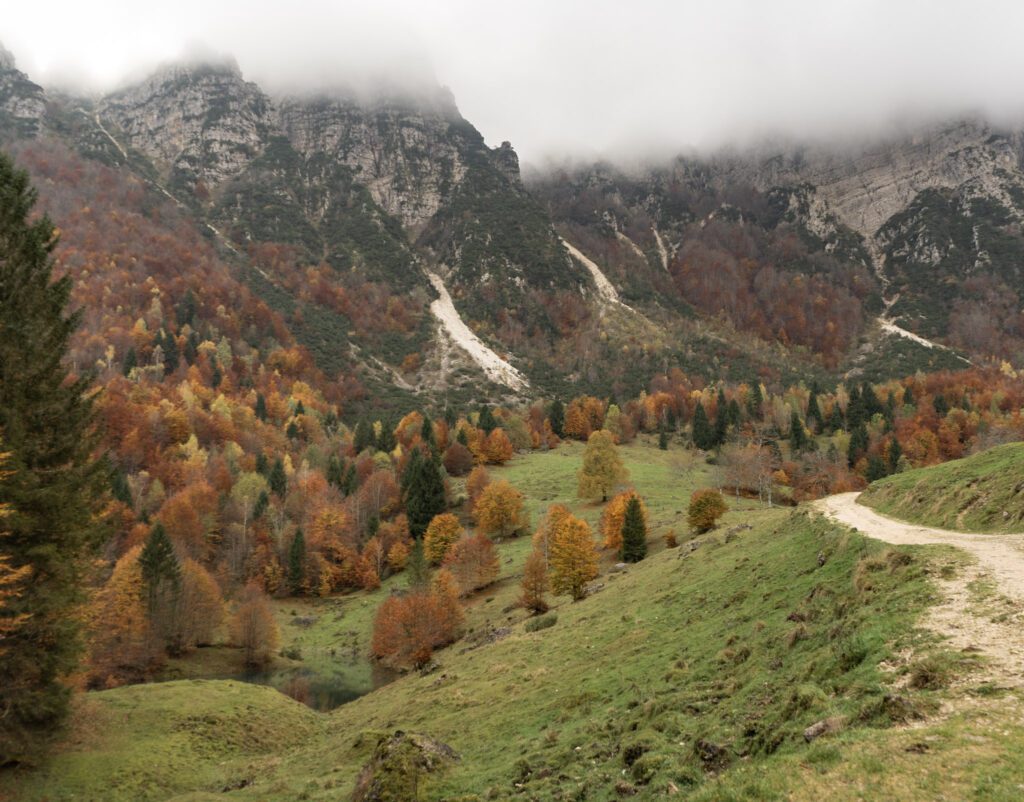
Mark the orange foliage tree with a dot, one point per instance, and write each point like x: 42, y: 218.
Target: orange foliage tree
x: 535, y: 582
x: 573, y: 558
x: 476, y: 482
x: 253, y: 628
x: 497, y: 448
x: 442, y: 533
x: 408, y: 628
x: 473, y: 562
x: 499, y: 510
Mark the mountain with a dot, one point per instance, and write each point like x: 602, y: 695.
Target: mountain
x: 920, y: 230
x: 406, y: 254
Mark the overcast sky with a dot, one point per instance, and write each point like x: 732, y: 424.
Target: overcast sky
x: 594, y: 78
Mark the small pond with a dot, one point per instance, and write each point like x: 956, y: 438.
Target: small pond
x: 319, y: 689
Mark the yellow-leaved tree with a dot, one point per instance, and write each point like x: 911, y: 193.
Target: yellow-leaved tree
x: 573, y: 558
x: 499, y: 510
x: 602, y: 469
x: 443, y: 532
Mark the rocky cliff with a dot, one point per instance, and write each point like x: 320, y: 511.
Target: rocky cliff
x: 22, y: 103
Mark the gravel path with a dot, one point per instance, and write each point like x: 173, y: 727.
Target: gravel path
x: 991, y: 623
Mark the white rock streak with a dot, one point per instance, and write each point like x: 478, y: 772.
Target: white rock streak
x: 604, y: 286
x: 891, y: 328
x: 662, y: 250
x: 496, y: 368
x: 625, y: 240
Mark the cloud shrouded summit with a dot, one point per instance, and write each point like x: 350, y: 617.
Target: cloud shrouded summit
x: 582, y: 79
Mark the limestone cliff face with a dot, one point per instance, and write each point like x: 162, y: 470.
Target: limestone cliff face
x: 196, y: 123
x: 866, y: 187
x: 408, y: 155
x: 22, y: 103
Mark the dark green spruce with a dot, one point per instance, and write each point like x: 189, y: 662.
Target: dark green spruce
x: 634, y: 532
x: 57, y: 485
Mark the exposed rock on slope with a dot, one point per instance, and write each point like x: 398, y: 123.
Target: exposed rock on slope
x: 22, y: 103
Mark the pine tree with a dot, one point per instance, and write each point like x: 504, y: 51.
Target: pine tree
x: 171, y: 356
x: 261, y: 407
x: 450, y: 417
x: 755, y: 401
x: 56, y: 488
x: 854, y: 410
x: 161, y: 570
x: 634, y: 532
x: 876, y: 468
x: 858, y: 444
x: 869, y: 401
x: 297, y: 563
x: 797, y: 434
x: 814, y: 411
x: 835, y: 420
x: 427, y: 435
x: 908, y: 396
x: 486, y: 421
x: 890, y: 414
x: 721, y: 418
x: 363, y: 437
x: 423, y: 491
x: 734, y: 413
x: 119, y: 488
x: 262, y: 466
x: 335, y: 471
x: 300, y: 408
x: 185, y: 313
x: 292, y: 432
x: 216, y: 377
x: 895, y: 452
x: 703, y: 435
x: 131, y: 361
x: 462, y: 438
x: 556, y: 416
x: 351, y: 480
x: 662, y: 438
x: 191, y: 352
x: 386, y: 442
x: 262, y: 502
x: 278, y: 480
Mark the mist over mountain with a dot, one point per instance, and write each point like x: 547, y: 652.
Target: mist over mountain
x: 592, y: 80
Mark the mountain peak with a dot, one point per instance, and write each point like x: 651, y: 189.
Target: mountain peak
x: 7, y: 60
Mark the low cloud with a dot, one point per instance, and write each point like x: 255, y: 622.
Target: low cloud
x: 578, y: 79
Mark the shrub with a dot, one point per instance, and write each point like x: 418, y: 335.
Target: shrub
x: 706, y: 507
x: 544, y: 622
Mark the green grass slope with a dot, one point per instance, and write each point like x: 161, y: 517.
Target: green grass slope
x: 693, y: 673
x: 155, y: 742
x: 981, y: 493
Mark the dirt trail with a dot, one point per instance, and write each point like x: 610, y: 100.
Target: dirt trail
x: 968, y: 617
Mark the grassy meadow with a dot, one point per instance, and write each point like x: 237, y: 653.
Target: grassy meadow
x: 693, y: 674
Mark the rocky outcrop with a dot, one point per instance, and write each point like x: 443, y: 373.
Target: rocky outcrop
x: 398, y: 766
x: 22, y: 103
x: 403, y: 153
x: 197, y: 123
